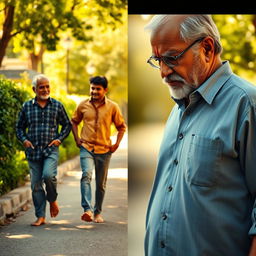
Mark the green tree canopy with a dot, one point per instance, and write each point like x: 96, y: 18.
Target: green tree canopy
x: 238, y: 37
x: 39, y: 22
x: 105, y: 55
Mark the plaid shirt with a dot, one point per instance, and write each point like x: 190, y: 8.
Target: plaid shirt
x: 40, y: 126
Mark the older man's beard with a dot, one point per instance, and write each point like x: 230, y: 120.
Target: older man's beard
x: 183, y: 91
x: 46, y: 97
x: 178, y: 92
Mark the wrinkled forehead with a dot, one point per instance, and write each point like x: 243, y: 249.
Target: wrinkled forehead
x: 42, y: 81
x: 169, y: 30
x: 165, y: 40
x: 166, y: 35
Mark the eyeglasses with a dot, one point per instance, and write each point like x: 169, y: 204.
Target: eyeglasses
x: 170, y: 61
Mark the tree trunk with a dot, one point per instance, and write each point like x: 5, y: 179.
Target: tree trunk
x: 7, y: 29
x: 36, y: 58
x: 254, y: 21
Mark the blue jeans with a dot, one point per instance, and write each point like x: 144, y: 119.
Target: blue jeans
x: 90, y: 161
x: 43, y: 172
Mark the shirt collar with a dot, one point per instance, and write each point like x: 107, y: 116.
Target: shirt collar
x: 209, y: 89
x: 34, y: 100
x: 105, y: 100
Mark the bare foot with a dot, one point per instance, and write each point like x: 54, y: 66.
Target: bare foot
x: 54, y: 209
x: 87, y: 216
x: 40, y: 221
x: 98, y: 218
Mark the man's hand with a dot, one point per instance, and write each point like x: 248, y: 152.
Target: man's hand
x: 55, y: 143
x: 253, y: 247
x: 113, y: 148
x: 79, y: 142
x: 28, y: 144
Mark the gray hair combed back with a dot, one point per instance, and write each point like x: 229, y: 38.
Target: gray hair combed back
x: 192, y: 28
x: 38, y: 78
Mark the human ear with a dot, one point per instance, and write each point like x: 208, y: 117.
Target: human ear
x: 208, y: 48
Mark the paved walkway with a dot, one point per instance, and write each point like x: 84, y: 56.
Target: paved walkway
x: 67, y: 235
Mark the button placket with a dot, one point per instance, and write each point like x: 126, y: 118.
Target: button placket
x: 170, y: 188
x: 181, y: 136
x: 164, y: 216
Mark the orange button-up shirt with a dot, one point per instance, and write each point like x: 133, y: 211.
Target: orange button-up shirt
x: 96, y: 130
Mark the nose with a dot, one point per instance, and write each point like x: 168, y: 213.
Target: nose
x: 93, y: 91
x: 165, y: 70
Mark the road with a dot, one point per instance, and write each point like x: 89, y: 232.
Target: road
x: 67, y: 235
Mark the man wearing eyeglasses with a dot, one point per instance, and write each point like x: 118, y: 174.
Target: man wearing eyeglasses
x: 203, y: 198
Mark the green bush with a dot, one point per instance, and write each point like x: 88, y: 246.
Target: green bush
x: 62, y: 154
x: 13, y: 167
x: 68, y: 148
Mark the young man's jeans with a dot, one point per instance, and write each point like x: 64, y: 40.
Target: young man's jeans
x: 90, y: 161
x: 44, y: 172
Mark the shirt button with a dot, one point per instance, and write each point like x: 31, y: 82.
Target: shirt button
x: 164, y: 217
x: 175, y: 162
x: 170, y: 188
x: 181, y: 136
x: 162, y: 244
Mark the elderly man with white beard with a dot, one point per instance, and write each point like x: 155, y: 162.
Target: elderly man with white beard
x: 203, y: 198
x: 38, y: 129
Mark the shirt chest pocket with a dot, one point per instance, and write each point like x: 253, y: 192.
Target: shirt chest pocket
x: 203, y: 160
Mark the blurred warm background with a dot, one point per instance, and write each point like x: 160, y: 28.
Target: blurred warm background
x: 68, y: 41
x: 150, y: 104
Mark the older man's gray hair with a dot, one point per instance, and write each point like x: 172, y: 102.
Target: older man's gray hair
x: 192, y: 28
x: 38, y: 78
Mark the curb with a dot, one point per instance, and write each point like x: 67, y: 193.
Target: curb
x: 17, y: 199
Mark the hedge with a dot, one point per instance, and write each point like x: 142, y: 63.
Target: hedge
x: 13, y: 167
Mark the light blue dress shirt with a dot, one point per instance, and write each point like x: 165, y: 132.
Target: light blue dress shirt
x: 203, y: 198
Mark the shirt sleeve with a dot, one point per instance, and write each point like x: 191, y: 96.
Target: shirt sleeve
x: 247, y: 152
x: 21, y: 126
x: 64, y: 122
x: 77, y: 116
x: 118, y: 120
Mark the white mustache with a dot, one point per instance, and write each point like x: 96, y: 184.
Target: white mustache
x: 45, y: 97
x: 172, y: 78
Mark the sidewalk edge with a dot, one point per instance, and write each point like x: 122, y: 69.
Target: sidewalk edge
x: 17, y: 199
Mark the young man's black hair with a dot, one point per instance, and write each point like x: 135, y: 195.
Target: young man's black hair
x: 99, y: 80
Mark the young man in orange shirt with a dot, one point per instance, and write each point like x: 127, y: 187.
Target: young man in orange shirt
x: 97, y: 114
